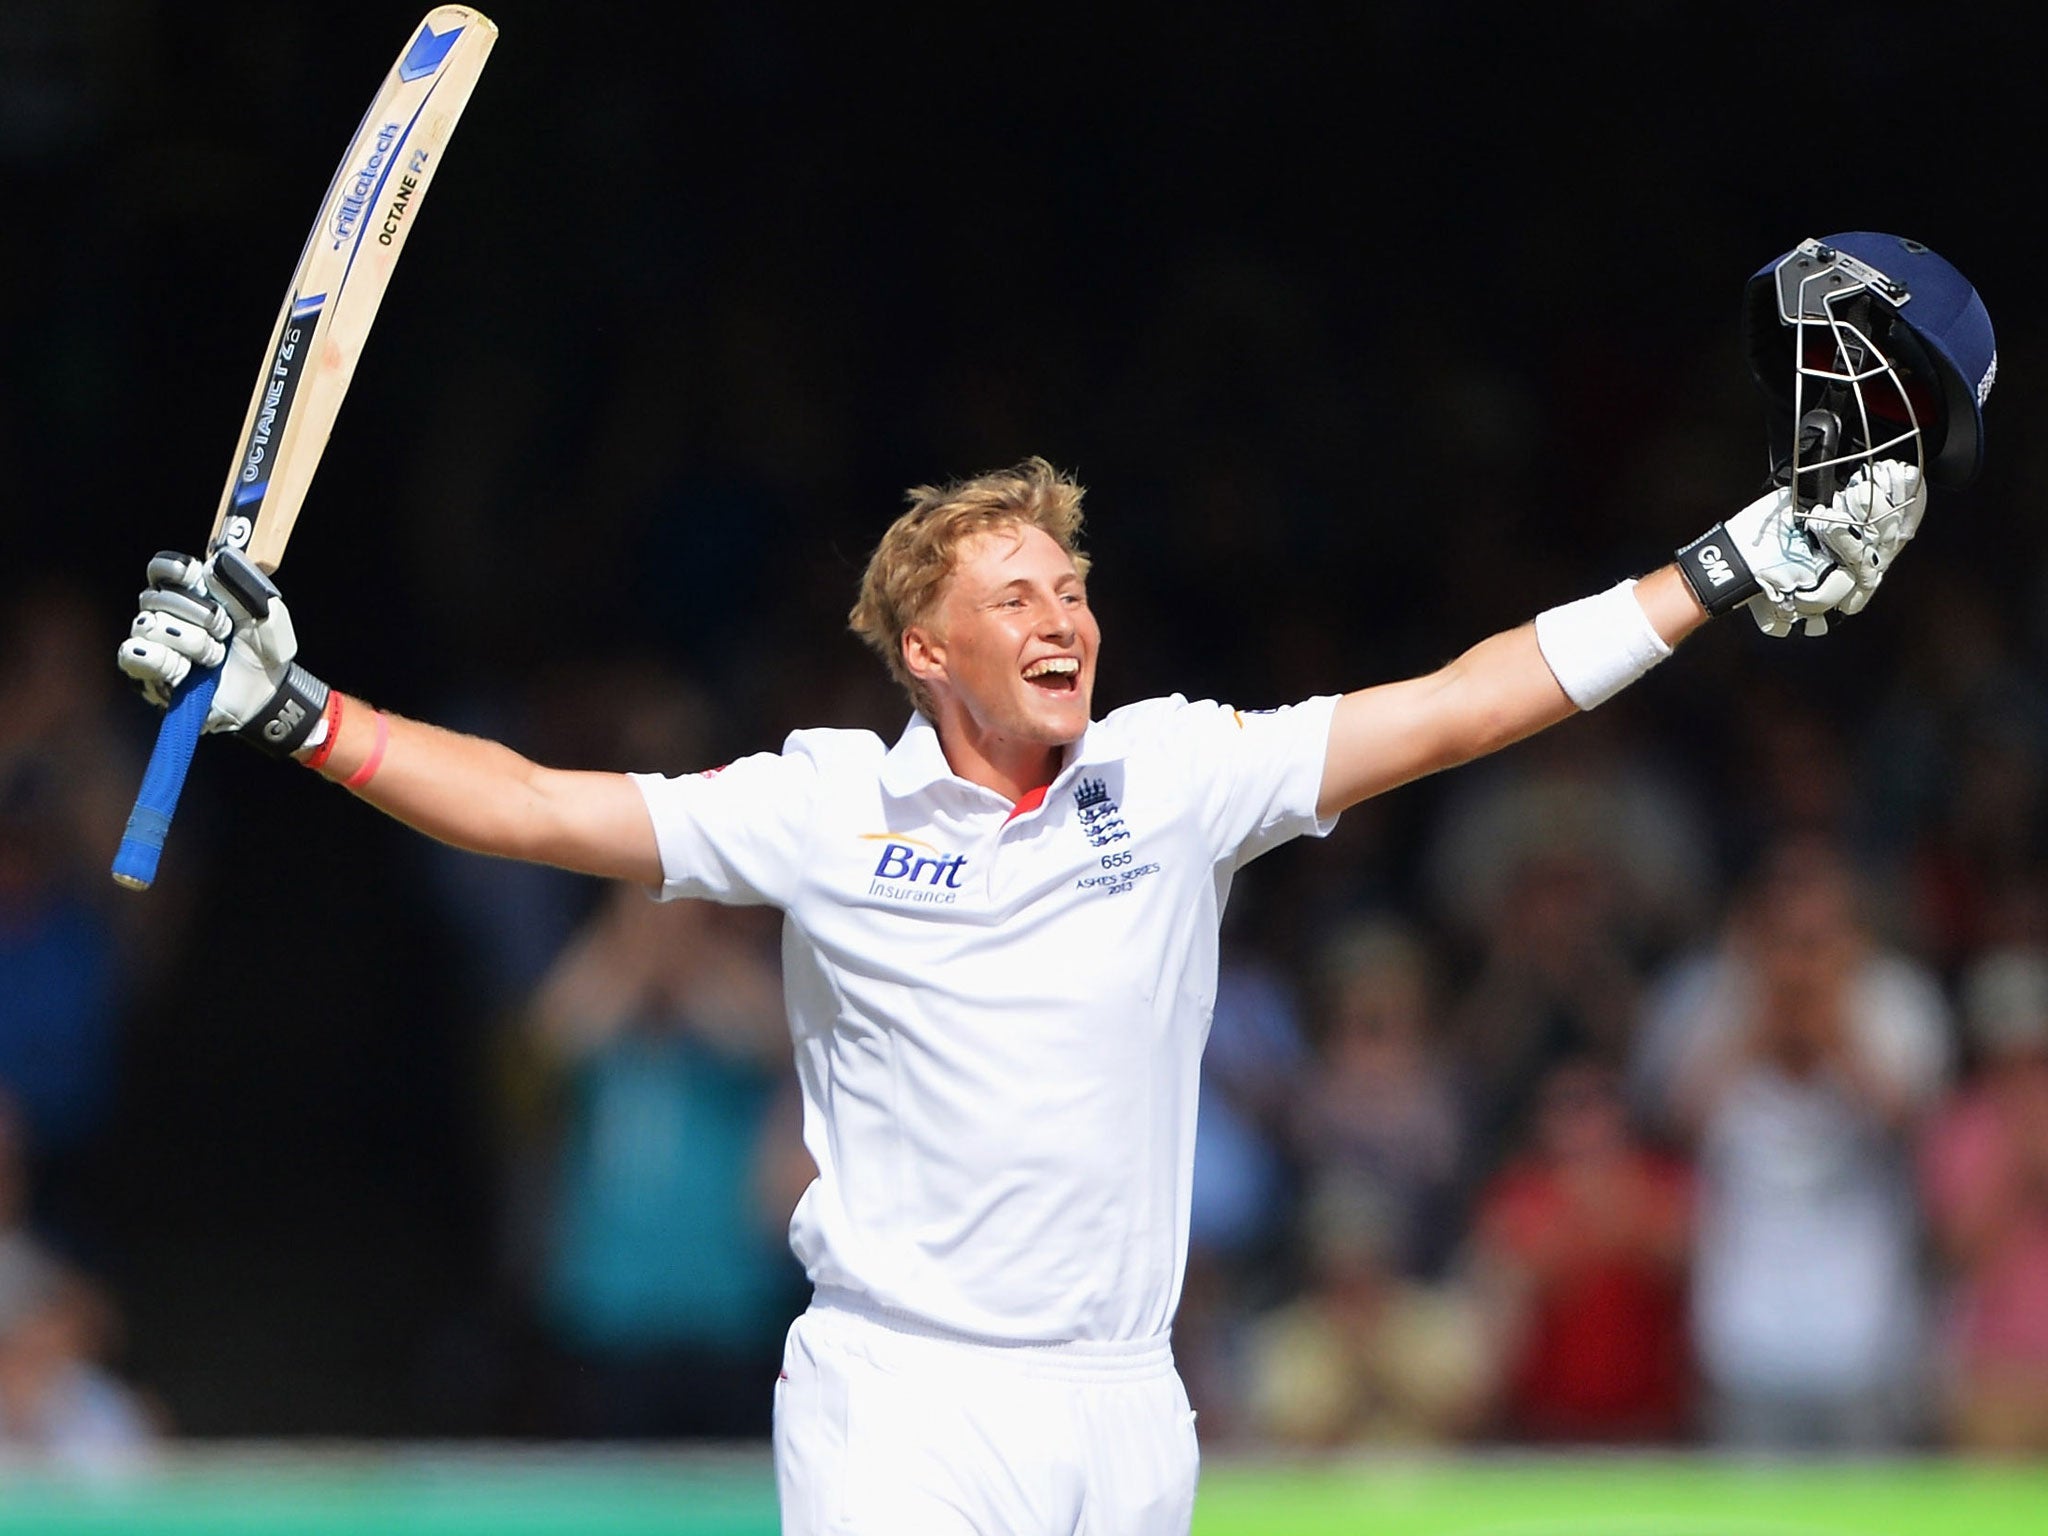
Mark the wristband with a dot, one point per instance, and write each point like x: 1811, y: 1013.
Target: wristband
x: 1715, y: 570
x: 375, y: 760
x: 1598, y: 645
x: 326, y: 734
x: 287, y: 718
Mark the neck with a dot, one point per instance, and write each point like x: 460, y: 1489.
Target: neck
x: 1011, y: 768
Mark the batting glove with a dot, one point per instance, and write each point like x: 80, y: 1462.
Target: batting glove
x: 1764, y: 559
x: 1869, y: 521
x: 179, y: 627
x: 224, y: 612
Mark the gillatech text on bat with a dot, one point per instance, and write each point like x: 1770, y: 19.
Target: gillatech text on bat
x: 349, y: 210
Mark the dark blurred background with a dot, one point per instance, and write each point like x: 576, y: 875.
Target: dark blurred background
x: 1370, y: 329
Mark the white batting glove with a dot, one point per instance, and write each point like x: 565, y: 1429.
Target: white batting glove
x: 1801, y: 579
x: 1869, y: 521
x: 1763, y: 558
x: 180, y: 626
x: 224, y: 612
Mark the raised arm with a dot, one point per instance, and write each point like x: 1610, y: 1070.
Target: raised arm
x: 1495, y: 694
x: 1790, y: 569
x: 485, y: 797
x: 463, y: 790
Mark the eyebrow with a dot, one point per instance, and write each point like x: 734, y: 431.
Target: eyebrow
x: 1063, y: 579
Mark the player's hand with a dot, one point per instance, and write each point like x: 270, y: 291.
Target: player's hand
x: 1801, y: 577
x: 222, y: 612
x: 179, y: 627
x: 1869, y: 521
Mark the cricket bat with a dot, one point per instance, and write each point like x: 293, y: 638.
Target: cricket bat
x: 370, y: 207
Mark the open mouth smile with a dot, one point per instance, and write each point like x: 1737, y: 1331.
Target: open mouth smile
x: 1054, y: 674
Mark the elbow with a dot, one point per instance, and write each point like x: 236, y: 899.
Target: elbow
x: 1492, y: 713
x: 1503, y: 727
x: 1478, y: 723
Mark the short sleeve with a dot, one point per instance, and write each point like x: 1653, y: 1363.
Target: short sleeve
x: 1258, y: 772
x: 734, y: 834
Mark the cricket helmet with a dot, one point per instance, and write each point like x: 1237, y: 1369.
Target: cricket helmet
x: 1868, y: 346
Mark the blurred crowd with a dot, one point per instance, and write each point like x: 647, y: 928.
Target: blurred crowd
x: 1781, y: 1190
x: 63, y: 966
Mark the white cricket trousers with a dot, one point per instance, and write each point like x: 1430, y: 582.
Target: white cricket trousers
x: 887, y: 1428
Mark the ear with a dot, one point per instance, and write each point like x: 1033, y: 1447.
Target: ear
x: 924, y: 653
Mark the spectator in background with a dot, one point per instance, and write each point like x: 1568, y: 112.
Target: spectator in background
x: 60, y: 977
x: 1380, y: 1107
x: 1565, y: 869
x: 665, y: 1281
x: 1553, y: 984
x: 1243, y: 1187
x: 1582, y: 1245
x: 1251, y: 1077
x: 62, y: 960
x: 57, y: 1401
x: 1364, y: 1355
x: 1953, y: 771
x: 1984, y: 1169
x: 1588, y: 797
x: 1802, y: 1056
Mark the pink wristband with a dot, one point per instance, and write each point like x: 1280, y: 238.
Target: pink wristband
x: 375, y: 760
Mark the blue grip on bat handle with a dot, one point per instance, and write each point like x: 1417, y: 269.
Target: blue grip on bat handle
x: 163, y: 780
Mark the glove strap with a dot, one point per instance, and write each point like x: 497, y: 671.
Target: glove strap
x: 1715, y: 570
x: 282, y: 725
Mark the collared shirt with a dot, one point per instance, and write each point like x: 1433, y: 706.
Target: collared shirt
x: 999, y: 1017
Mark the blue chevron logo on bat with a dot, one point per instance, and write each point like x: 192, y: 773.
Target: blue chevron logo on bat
x: 427, y: 52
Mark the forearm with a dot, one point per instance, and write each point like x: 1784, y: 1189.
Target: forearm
x: 1668, y: 602
x: 1503, y: 689
x: 482, y: 796
x: 1496, y: 693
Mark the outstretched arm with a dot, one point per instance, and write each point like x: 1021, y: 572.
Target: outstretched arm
x: 1790, y: 567
x: 1495, y: 694
x: 485, y: 797
x: 472, y: 793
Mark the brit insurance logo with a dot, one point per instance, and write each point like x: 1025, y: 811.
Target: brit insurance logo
x: 911, y: 870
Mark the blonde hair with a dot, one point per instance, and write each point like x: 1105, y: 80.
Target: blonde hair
x: 909, y: 567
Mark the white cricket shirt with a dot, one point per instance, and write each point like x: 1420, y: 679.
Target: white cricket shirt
x: 999, y: 1018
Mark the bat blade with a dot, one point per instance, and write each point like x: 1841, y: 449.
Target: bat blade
x: 369, y: 209
x: 367, y: 213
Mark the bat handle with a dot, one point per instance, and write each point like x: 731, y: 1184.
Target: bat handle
x: 148, y: 824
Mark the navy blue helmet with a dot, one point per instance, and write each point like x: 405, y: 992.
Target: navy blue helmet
x: 1869, y: 346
